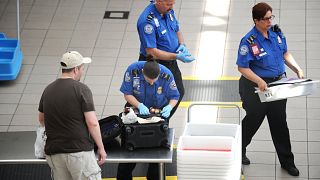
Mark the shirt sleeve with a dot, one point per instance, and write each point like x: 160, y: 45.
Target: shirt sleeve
x: 172, y: 92
x: 126, y: 86
x: 285, y: 46
x: 176, y: 22
x: 87, y: 99
x: 245, y: 54
x: 147, y: 34
x: 40, y: 108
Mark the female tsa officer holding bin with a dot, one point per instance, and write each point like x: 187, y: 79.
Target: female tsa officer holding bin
x: 262, y: 57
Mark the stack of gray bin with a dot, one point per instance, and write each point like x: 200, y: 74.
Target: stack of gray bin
x: 209, y: 151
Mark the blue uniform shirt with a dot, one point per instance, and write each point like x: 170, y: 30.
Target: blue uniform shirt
x: 263, y: 56
x: 157, y: 95
x: 156, y: 31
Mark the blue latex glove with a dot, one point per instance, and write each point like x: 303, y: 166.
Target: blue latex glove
x: 182, y: 48
x: 185, y: 57
x: 143, y: 110
x: 166, y: 111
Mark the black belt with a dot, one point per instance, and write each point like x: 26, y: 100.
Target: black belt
x: 275, y: 78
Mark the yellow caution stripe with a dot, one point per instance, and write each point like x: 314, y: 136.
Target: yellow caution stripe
x: 188, y: 103
x: 218, y: 78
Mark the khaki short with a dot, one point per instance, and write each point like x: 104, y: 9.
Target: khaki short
x: 75, y: 166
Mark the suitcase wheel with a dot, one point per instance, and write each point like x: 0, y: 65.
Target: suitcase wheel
x: 164, y: 143
x: 164, y: 127
x: 129, y: 130
x: 129, y: 147
x: 106, y: 134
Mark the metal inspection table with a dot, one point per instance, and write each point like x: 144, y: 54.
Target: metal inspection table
x: 18, y: 148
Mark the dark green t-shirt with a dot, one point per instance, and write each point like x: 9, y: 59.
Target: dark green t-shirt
x: 63, y: 103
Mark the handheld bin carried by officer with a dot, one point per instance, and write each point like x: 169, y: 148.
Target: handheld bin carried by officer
x: 286, y: 88
x: 145, y: 134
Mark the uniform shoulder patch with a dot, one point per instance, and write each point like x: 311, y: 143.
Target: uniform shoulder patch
x: 127, y: 77
x: 173, y: 85
x: 244, y: 50
x: 148, y: 28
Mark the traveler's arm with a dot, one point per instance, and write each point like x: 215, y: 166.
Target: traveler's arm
x: 94, y: 130
x: 41, y: 118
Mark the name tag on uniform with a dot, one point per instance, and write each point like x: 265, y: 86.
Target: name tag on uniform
x: 156, y: 22
x: 279, y: 40
x: 164, y: 31
x: 171, y: 18
x: 255, y: 49
x: 262, y: 54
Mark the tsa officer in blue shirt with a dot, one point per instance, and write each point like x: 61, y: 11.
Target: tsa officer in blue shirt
x: 262, y: 57
x: 160, y: 36
x: 147, y: 84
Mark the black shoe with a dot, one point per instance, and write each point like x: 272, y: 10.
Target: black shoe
x: 245, y: 160
x: 292, y: 170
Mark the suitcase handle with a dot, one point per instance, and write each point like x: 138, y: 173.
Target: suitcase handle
x: 147, y: 133
x: 216, y: 105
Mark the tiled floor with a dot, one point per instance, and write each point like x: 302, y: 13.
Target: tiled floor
x: 212, y: 29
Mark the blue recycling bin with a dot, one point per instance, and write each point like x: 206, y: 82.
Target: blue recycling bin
x: 10, y: 58
x: 2, y: 35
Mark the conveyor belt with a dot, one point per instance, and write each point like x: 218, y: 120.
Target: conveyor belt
x: 211, y: 90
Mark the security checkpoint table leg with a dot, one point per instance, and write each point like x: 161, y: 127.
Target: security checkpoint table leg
x: 162, y: 171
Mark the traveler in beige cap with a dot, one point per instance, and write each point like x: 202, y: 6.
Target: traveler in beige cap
x: 66, y: 109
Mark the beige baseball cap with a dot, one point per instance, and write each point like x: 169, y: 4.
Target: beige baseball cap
x: 73, y: 59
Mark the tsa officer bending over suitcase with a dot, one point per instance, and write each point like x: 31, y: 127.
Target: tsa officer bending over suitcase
x: 262, y: 57
x: 160, y: 36
x: 147, y: 84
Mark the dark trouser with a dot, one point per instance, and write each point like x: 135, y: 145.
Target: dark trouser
x: 173, y: 67
x: 125, y: 171
x: 255, y: 114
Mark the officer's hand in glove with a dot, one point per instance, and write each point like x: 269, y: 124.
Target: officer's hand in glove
x: 185, y: 57
x: 166, y: 111
x: 182, y: 48
x: 143, y: 110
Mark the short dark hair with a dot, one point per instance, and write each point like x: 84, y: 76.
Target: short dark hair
x: 67, y: 70
x: 260, y: 10
x: 151, y: 69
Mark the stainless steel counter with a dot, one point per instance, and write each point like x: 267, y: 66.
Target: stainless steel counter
x: 18, y: 148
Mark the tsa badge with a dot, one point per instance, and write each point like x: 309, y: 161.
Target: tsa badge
x: 127, y: 77
x: 159, y: 90
x: 279, y: 40
x: 148, y: 28
x: 136, y: 82
x: 173, y: 85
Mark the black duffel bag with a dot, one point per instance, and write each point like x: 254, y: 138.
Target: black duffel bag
x: 110, y: 128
